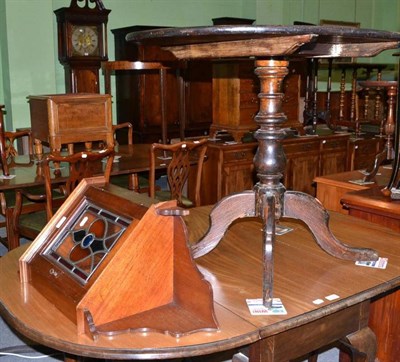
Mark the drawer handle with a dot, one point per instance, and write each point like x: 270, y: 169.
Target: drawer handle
x: 332, y: 144
x: 240, y: 155
x: 307, y: 147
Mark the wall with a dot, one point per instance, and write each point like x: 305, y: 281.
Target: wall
x: 28, y: 54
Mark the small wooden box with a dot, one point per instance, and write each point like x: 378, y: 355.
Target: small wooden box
x: 71, y: 118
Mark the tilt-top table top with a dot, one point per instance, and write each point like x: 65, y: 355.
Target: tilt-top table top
x: 249, y: 40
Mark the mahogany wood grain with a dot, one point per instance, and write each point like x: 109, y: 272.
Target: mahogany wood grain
x: 332, y: 187
x: 56, y: 119
x: 234, y: 269
x: 372, y: 205
x: 130, y: 159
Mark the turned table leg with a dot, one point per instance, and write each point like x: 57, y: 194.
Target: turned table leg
x: 268, y: 200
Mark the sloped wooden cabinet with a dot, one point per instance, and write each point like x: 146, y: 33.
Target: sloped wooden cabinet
x: 94, y: 261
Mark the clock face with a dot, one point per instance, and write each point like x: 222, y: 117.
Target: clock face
x: 85, y: 40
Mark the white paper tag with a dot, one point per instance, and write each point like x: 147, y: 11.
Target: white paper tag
x: 332, y: 297
x: 4, y: 177
x: 280, y: 230
x: 361, y: 182
x: 256, y: 307
x: 381, y: 263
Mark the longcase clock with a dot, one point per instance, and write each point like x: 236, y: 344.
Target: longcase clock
x: 82, y: 44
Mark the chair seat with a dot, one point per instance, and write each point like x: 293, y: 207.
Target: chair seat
x: 123, y: 181
x: 166, y: 195
x: 34, y: 221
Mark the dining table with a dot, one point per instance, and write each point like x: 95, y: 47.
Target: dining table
x: 321, y: 299
x: 25, y: 171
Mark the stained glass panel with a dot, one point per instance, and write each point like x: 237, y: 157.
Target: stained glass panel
x: 85, y: 240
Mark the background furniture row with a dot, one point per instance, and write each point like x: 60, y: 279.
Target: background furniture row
x: 229, y: 167
x: 222, y: 96
x: 205, y: 96
x: 198, y: 94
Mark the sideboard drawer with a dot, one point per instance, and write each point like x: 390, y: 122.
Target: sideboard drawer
x: 301, y: 147
x: 239, y: 155
x: 334, y: 144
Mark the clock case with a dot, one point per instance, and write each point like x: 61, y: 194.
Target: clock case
x: 146, y: 281
x: 82, y: 71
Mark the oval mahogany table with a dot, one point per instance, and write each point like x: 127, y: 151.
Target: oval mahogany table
x: 304, y: 275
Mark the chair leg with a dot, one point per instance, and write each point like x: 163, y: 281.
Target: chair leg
x: 12, y: 234
x: 313, y: 357
x: 12, y: 238
x: 134, y: 182
x: 348, y: 353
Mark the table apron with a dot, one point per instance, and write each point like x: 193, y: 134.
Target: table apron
x: 299, y: 341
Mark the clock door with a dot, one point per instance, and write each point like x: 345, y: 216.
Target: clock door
x: 82, y: 44
x: 82, y: 79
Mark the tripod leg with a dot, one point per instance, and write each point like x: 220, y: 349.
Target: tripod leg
x: 305, y: 207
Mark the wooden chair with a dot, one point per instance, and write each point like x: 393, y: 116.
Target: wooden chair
x: 81, y: 165
x: 133, y: 181
x: 182, y: 157
x: 122, y: 126
x: 7, y: 142
x: 7, y: 153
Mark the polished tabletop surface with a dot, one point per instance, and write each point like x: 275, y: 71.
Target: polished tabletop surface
x: 372, y: 199
x: 196, y: 34
x: 349, y: 179
x: 25, y: 170
x: 316, y: 41
x: 304, y: 273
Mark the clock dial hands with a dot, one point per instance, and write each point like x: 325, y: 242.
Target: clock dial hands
x: 85, y: 40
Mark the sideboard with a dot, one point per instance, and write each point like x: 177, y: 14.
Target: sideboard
x: 229, y: 167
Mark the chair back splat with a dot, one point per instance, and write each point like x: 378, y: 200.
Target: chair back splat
x: 182, y: 158
x: 79, y: 165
